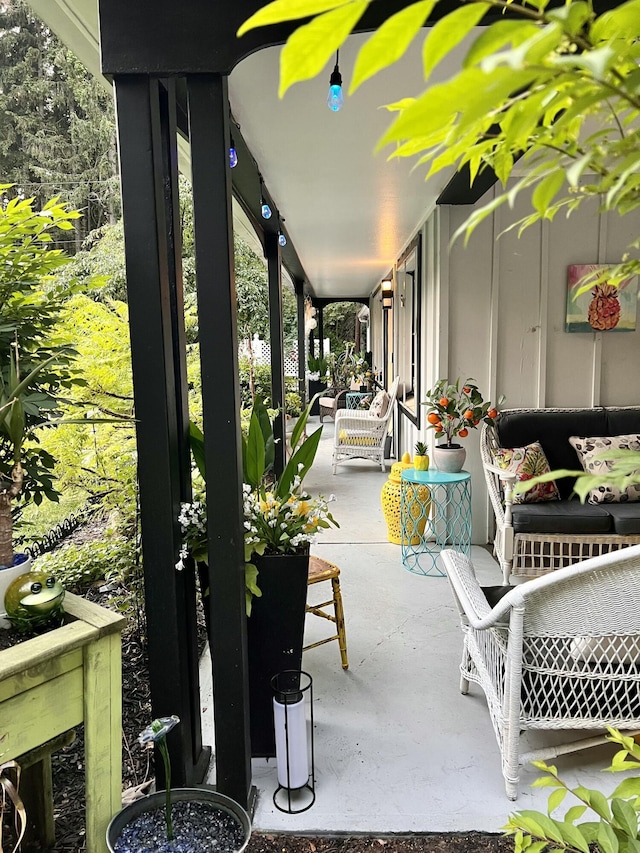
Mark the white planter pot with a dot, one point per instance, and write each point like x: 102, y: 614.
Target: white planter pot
x: 449, y: 459
x: 7, y: 575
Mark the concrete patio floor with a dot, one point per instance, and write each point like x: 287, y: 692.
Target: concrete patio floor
x: 398, y: 749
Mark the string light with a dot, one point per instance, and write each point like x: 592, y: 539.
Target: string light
x: 233, y: 155
x: 335, y: 98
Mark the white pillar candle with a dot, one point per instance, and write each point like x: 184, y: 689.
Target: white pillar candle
x: 291, y: 724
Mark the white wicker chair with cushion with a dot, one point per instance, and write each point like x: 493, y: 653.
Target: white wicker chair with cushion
x: 558, y: 652
x: 361, y: 434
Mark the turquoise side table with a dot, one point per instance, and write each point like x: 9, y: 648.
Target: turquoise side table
x: 435, y: 513
x: 354, y: 398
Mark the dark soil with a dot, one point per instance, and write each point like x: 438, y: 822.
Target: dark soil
x: 68, y: 772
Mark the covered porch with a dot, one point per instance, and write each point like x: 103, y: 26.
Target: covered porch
x: 495, y: 311
x: 398, y: 748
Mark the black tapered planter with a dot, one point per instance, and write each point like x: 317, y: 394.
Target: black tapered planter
x: 275, y: 632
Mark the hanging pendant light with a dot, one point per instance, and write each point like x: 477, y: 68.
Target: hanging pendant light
x: 233, y: 155
x: 335, y: 98
x: 265, y: 210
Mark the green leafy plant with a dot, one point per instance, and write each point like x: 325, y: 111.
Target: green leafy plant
x: 612, y: 829
x: 421, y: 448
x: 455, y: 408
x: 79, y: 566
x: 279, y: 516
x: 9, y: 789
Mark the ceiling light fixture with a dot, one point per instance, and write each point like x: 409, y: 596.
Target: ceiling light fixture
x: 335, y: 98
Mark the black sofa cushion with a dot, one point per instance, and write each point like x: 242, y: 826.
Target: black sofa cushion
x: 626, y: 518
x: 565, y: 516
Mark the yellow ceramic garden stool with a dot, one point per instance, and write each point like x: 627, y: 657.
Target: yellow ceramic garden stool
x: 390, y: 498
x: 322, y: 570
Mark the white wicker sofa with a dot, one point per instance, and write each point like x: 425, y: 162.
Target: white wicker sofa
x: 558, y: 652
x: 534, y: 538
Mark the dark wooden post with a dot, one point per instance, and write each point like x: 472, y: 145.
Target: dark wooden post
x: 215, y: 275
x: 302, y: 341
x: 148, y: 165
x: 274, y: 273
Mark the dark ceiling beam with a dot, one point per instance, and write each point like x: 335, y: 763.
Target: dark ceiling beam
x: 330, y: 300
x: 460, y: 190
x: 165, y: 38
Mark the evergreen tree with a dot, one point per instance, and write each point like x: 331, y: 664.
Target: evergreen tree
x: 57, y: 130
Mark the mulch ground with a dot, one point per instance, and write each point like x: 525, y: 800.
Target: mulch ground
x: 68, y: 773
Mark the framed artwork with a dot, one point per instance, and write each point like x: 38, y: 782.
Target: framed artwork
x: 603, y: 307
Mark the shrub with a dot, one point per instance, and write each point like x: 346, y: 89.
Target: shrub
x: 613, y: 827
x: 77, y: 567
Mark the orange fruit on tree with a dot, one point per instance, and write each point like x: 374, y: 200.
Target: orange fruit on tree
x: 463, y: 433
x: 438, y: 426
x: 433, y: 418
x: 468, y: 415
x: 492, y: 413
x: 466, y: 390
x: 444, y: 402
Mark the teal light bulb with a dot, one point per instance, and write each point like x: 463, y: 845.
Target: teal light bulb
x: 335, y: 98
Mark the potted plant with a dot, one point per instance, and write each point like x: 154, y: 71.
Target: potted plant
x: 421, y: 460
x: 455, y: 408
x: 194, y: 819
x: 281, y: 521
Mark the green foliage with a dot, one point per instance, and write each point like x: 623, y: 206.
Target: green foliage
x: 613, y: 828
x: 98, y: 460
x: 77, y: 567
x: 261, y: 381
x: 36, y: 367
x: 58, y: 128
x: 292, y: 404
x: 555, y: 86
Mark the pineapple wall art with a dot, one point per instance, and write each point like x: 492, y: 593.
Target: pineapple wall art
x: 603, y: 307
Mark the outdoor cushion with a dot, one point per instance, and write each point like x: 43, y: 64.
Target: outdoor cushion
x: 528, y: 462
x: 626, y: 518
x: 570, y: 517
x: 379, y: 404
x: 357, y: 439
x: 590, y: 453
x: 552, y: 430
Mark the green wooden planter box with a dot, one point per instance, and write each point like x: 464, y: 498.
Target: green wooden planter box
x: 54, y: 682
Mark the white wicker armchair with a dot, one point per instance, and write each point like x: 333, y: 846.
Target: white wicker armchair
x: 361, y: 435
x: 558, y: 652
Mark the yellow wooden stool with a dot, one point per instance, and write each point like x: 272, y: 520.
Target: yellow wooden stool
x: 319, y: 571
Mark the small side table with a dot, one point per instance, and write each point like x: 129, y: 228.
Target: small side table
x: 354, y: 398
x: 435, y: 513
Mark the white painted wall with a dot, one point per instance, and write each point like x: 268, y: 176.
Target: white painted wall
x: 495, y: 311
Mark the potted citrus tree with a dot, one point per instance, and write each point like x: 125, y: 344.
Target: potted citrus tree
x: 455, y: 408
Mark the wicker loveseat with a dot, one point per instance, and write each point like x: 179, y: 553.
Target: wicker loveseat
x: 534, y: 538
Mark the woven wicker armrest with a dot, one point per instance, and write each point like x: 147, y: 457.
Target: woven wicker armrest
x: 505, y: 476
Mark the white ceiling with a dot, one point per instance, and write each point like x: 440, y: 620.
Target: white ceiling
x: 348, y: 211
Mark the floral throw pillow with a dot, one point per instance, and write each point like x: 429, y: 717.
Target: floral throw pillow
x: 379, y: 404
x: 528, y: 462
x: 591, y: 453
